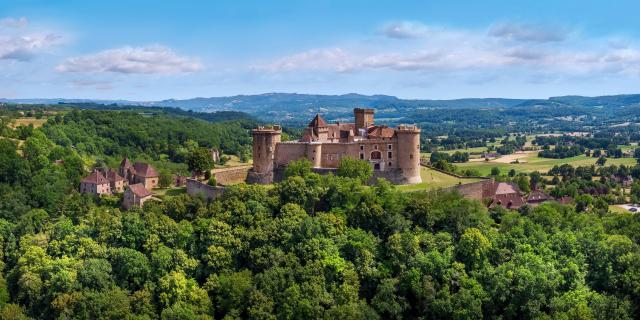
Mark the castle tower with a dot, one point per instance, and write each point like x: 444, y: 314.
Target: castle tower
x: 364, y: 118
x: 409, y: 152
x: 314, y: 154
x: 264, y: 148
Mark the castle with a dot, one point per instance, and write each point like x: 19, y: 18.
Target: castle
x: 394, y: 154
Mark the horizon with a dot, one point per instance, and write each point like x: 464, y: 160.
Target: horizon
x: 415, y: 50
x: 310, y: 94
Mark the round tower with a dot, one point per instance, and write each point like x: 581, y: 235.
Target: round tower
x: 314, y: 154
x: 264, y: 148
x: 409, y: 152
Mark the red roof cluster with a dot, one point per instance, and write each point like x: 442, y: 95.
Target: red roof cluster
x: 144, y: 170
x: 96, y: 177
x: 139, y: 190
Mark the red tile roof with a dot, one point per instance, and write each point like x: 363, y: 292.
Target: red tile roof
x: 113, y: 176
x: 139, y: 190
x: 380, y: 132
x: 125, y: 163
x: 145, y: 170
x: 508, y: 200
x: 317, y: 122
x: 96, y: 177
x: 538, y: 196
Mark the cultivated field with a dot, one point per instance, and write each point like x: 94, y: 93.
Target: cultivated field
x: 432, y: 179
x: 530, y: 162
x: 27, y: 121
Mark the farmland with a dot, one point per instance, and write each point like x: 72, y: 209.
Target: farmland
x: 432, y: 179
x: 531, y: 162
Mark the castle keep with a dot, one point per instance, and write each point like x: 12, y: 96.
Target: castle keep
x: 394, y: 153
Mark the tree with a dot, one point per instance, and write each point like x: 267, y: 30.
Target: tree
x: 200, y: 161
x: 601, y: 161
x: 495, y: 171
x: 356, y: 169
x: 301, y: 168
x: 165, y: 180
x: 473, y: 248
x: 212, y: 181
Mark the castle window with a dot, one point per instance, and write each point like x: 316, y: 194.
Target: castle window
x: 411, y: 156
x: 389, y: 147
x: 389, y: 164
x: 361, y: 147
x: 390, y: 155
x: 375, y: 146
x: 361, y: 156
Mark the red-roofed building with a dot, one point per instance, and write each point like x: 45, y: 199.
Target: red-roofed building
x: 139, y: 172
x: 146, y: 174
x: 116, y: 181
x: 95, y: 183
x: 135, y: 196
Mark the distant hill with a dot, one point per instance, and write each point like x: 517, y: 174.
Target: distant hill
x: 293, y: 108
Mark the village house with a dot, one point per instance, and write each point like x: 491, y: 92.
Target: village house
x: 135, y: 196
x: 501, y: 194
x: 112, y: 181
x: 139, y: 173
x: 95, y: 183
x: 116, y: 181
x: 537, y: 197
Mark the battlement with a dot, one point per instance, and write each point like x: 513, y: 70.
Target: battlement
x: 406, y: 128
x: 268, y: 129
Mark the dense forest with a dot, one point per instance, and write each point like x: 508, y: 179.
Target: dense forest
x: 308, y: 247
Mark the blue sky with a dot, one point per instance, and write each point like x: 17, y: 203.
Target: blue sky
x: 149, y: 50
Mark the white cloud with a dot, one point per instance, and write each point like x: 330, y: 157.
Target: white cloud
x: 14, y: 22
x: 506, y: 49
x: 527, y: 32
x: 405, y: 30
x: 132, y: 60
x: 17, y: 42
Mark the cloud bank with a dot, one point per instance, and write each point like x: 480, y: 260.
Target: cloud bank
x: 18, y: 42
x: 506, y: 47
x: 132, y: 60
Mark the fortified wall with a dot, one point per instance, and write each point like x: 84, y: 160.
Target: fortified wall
x: 196, y: 188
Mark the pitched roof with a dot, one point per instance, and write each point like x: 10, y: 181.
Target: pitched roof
x: 113, y: 176
x: 317, y: 122
x: 145, y: 170
x: 380, y: 132
x: 506, y: 188
x: 537, y: 195
x: 139, y: 190
x: 125, y: 163
x: 507, y: 200
x: 96, y: 177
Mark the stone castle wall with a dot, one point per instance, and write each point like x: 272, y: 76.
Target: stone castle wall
x: 227, y: 176
x: 196, y: 188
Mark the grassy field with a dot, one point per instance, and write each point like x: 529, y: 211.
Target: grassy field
x: 617, y: 209
x: 175, y: 191
x: 27, y: 121
x: 532, y: 163
x: 432, y: 179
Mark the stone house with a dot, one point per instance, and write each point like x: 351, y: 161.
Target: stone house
x: 135, y: 196
x: 139, y: 173
x: 95, y: 183
x: 116, y: 181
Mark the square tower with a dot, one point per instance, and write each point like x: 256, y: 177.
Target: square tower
x: 364, y: 118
